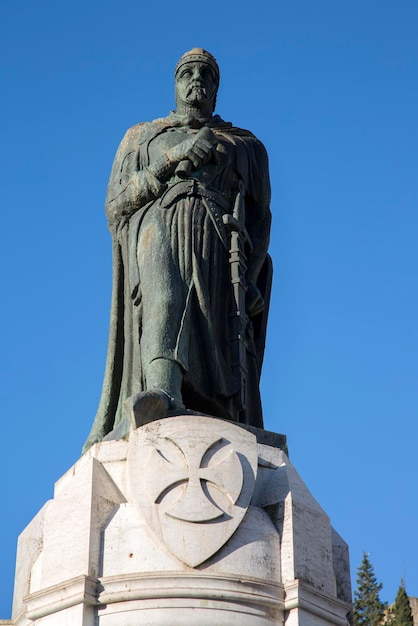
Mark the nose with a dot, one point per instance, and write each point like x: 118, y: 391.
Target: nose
x: 197, y: 73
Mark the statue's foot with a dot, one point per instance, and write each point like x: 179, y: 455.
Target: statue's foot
x: 146, y: 406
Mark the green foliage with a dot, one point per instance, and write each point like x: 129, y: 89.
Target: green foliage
x: 368, y: 608
x: 400, y: 614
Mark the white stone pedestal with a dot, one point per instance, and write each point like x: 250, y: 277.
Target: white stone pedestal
x: 190, y: 522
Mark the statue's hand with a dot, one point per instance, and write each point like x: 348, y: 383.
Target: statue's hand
x: 198, y: 150
x: 190, y: 153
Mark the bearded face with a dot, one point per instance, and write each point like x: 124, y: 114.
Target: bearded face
x: 196, y: 86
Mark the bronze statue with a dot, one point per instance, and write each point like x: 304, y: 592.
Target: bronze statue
x: 188, y: 209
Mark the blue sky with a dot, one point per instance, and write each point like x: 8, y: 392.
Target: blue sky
x: 331, y: 88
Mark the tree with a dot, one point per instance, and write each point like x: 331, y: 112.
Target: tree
x: 400, y: 614
x: 368, y: 608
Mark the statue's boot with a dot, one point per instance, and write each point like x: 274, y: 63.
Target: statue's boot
x: 145, y: 407
x: 163, y: 394
x: 139, y: 409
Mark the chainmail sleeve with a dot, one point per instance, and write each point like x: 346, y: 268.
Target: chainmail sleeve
x: 130, y: 186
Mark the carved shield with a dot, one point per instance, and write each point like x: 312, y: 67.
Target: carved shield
x: 192, y: 477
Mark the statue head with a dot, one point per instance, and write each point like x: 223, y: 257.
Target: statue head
x: 196, y: 83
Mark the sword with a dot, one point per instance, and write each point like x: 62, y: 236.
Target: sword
x: 238, y: 265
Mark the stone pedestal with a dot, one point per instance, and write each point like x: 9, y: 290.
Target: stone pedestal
x: 190, y: 522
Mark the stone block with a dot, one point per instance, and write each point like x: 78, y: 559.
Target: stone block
x: 192, y: 521
x: 73, y: 523
x: 29, y: 549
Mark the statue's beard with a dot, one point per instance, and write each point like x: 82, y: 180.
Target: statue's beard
x: 196, y: 103
x: 196, y: 94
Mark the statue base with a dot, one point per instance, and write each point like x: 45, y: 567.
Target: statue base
x: 192, y: 521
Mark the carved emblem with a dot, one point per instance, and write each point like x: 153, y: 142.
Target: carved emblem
x: 192, y: 478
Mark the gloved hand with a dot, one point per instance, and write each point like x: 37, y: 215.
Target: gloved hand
x: 198, y: 150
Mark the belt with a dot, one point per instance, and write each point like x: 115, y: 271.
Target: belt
x: 193, y: 188
x: 213, y: 201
